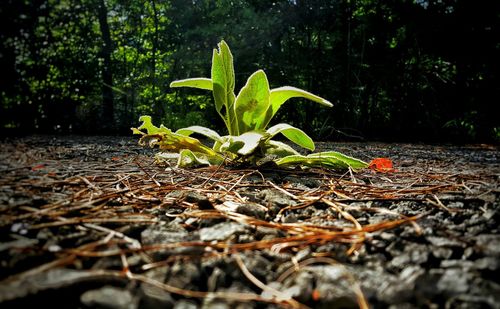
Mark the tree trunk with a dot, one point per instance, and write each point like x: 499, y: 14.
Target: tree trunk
x: 158, y: 106
x: 107, y: 73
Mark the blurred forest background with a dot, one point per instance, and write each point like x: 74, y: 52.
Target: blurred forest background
x: 419, y: 70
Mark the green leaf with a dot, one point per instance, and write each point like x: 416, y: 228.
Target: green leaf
x: 334, y: 155
x: 227, y: 59
x: 329, y: 159
x: 200, y: 83
x: 188, y: 158
x: 278, y: 96
x: 200, y: 130
x: 252, y: 102
x: 147, y: 124
x: 244, y: 144
x: 223, y: 85
x: 295, y: 135
x: 278, y: 149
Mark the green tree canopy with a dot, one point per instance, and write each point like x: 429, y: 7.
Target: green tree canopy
x: 401, y: 70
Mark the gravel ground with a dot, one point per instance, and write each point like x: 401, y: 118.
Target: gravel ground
x: 92, y: 222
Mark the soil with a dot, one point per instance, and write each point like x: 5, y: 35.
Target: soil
x: 93, y: 222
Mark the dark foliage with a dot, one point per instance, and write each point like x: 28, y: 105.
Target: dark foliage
x: 423, y: 70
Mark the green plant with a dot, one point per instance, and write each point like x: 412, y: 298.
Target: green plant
x: 246, y: 117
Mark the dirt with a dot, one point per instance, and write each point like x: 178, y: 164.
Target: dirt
x: 92, y: 222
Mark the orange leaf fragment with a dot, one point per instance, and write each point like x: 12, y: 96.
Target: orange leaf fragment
x: 383, y: 165
x: 316, y: 295
x: 38, y: 167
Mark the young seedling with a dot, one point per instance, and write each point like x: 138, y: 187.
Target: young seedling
x: 246, y: 117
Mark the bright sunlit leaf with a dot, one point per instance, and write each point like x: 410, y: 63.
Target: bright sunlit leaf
x: 252, y: 102
x: 295, y: 135
x: 200, y: 83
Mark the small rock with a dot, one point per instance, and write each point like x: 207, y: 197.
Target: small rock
x: 302, y: 183
x: 216, y: 280
x: 468, y: 252
x: 245, y: 238
x: 267, y: 232
x: 215, y: 303
x: 387, y: 236
x: 161, y: 234
x: 289, y: 218
x: 444, y: 242
x: 45, y: 234
x: 400, y: 261
x: 154, y: 297
x: 199, y: 199
x: 300, y: 285
x: 303, y: 254
x: 489, y: 244
x: 20, y: 243
x: 414, y: 254
x: 185, y: 304
x: 109, y: 297
x: 267, y: 294
x: 410, y: 274
x: 487, y: 263
x: 403, y: 306
x: 20, y: 228
x: 276, y: 198
x: 257, y: 264
x: 462, y: 264
x: 221, y: 231
x: 441, y: 253
x: 466, y: 301
x: 395, y: 290
x: 295, y: 291
x: 168, y: 234
x: 248, y: 208
x: 488, y: 214
x: 333, y: 286
x: 458, y: 205
x: 219, y: 303
x: 56, y: 278
x: 184, y: 275
x: 454, y: 281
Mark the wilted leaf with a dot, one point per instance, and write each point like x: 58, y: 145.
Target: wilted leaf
x: 165, y: 139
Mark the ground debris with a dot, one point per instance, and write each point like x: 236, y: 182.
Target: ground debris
x: 95, y: 220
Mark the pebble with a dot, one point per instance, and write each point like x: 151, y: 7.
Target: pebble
x: 489, y: 244
x: 454, y: 281
x: 162, y: 234
x: 109, y: 297
x: 221, y: 231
